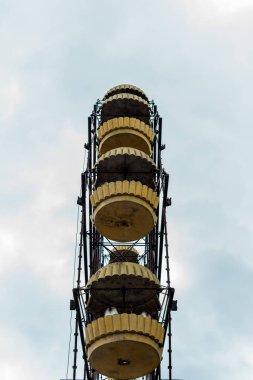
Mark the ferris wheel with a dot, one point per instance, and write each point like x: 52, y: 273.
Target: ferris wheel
x: 123, y: 299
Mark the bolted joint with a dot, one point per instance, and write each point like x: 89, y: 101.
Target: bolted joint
x: 72, y: 305
x: 168, y: 202
x: 174, y: 305
x: 79, y: 201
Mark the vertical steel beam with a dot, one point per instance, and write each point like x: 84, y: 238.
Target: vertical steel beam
x: 159, y: 159
x: 75, y: 349
x: 84, y: 229
x: 79, y: 268
x: 163, y: 217
x: 94, y: 131
x: 80, y: 325
x: 170, y: 349
x: 90, y: 190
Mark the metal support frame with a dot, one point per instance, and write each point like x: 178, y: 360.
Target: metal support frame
x: 93, y: 245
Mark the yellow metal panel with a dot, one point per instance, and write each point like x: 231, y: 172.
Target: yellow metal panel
x: 114, y: 270
x: 140, y: 324
x: 100, y: 193
x: 92, y: 199
x: 109, y: 324
x: 132, y: 187
x: 125, y: 122
x: 149, y: 195
x: 144, y: 192
x: 132, y: 322
x: 102, y: 326
x: 154, y: 326
x: 116, y: 322
x: 125, y: 136
x: 120, y: 269
x: 89, y: 334
x: 95, y: 328
x: 113, y: 123
x: 111, y: 188
x: 118, y: 187
x: 125, y: 87
x: 161, y: 333
x: 125, y: 187
x: 124, y: 322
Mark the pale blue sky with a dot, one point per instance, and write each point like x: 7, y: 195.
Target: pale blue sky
x: 195, y: 59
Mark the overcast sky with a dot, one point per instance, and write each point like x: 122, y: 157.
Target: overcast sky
x: 195, y: 59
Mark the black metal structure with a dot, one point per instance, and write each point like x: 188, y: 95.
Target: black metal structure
x: 94, y: 249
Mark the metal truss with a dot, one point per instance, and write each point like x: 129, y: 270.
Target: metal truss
x: 94, y: 249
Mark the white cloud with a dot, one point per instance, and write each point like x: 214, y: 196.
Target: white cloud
x: 12, y: 96
x: 232, y: 5
x: 39, y: 233
x: 21, y: 360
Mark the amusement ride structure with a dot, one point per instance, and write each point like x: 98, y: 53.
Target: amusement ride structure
x: 123, y: 299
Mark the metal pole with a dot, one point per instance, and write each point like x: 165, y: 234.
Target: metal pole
x: 75, y: 350
x: 94, y: 131
x: 80, y: 325
x: 159, y: 143
x: 169, y: 349
x: 163, y: 218
x: 90, y: 191
x: 155, y: 140
x: 84, y: 228
x: 79, y: 268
